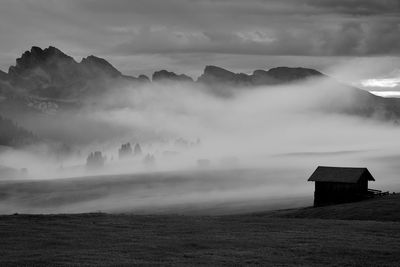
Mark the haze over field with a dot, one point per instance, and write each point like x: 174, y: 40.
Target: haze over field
x: 274, y: 136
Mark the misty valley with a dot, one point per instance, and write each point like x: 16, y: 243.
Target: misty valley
x: 83, y: 137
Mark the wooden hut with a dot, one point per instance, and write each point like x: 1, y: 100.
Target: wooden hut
x: 339, y: 184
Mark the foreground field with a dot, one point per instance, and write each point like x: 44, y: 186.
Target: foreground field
x: 384, y: 208
x: 259, y: 239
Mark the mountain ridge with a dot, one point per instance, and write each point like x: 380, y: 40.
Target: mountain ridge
x: 47, y: 79
x: 51, y: 73
x: 214, y: 74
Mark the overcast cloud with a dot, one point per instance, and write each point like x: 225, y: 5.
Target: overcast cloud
x: 183, y: 35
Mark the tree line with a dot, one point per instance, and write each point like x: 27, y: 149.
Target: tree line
x: 11, y: 134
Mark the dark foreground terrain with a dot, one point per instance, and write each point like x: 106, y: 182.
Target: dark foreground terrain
x: 358, y: 234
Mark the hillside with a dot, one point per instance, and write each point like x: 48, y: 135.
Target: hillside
x: 385, y: 208
x: 252, y: 239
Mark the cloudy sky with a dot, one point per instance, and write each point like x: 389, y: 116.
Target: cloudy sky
x: 354, y: 40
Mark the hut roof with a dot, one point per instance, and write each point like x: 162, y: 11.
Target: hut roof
x: 340, y: 174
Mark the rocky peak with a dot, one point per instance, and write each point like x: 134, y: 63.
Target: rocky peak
x: 168, y: 75
x: 214, y: 74
x: 217, y: 71
x: 143, y: 78
x: 51, y: 73
x: 37, y: 57
x: 97, y: 66
x: 292, y: 74
x: 51, y: 51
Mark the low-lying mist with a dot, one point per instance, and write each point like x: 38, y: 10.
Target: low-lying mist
x: 252, y: 148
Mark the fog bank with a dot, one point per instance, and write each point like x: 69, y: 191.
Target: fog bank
x: 286, y: 131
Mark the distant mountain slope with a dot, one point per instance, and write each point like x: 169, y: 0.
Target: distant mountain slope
x: 351, y: 100
x: 339, y: 98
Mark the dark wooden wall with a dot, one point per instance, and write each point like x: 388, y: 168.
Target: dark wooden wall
x: 333, y: 192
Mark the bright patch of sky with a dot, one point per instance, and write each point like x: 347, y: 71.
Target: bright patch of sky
x: 387, y: 83
x: 386, y: 93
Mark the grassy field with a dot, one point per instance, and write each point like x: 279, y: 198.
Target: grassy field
x: 270, y: 238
